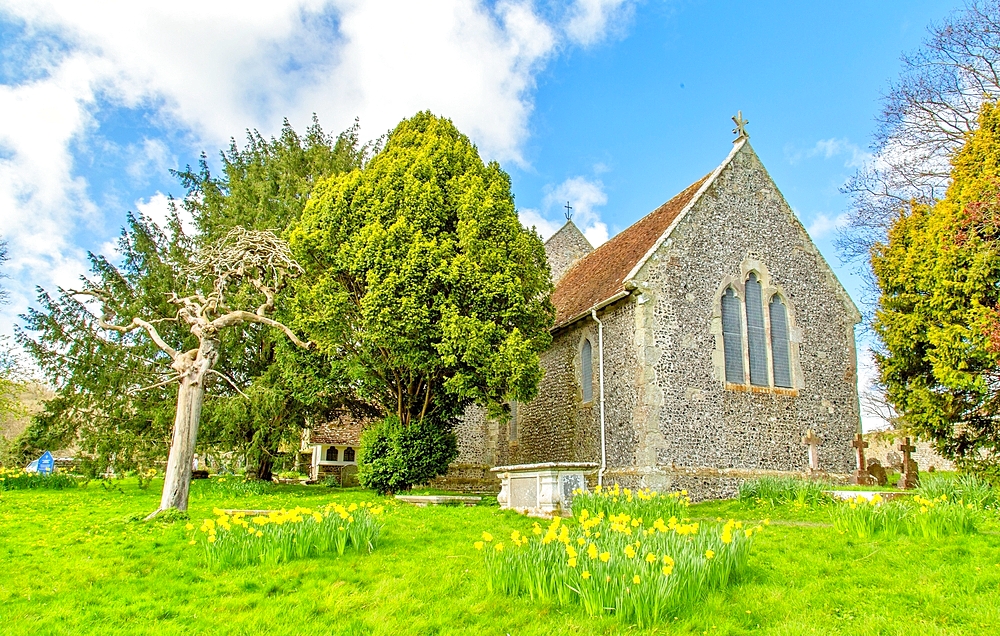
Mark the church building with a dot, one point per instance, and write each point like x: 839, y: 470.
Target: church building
x: 693, y: 350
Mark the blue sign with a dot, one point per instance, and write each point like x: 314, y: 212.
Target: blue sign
x: 46, y: 464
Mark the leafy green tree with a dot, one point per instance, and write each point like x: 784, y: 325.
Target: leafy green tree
x: 421, y: 282
x: 938, y: 316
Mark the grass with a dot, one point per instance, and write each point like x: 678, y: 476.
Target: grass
x: 80, y: 561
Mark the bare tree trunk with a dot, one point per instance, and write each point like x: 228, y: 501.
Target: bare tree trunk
x: 190, y: 396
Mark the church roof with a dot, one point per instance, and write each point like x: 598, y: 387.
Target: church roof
x: 600, y: 276
x: 341, y: 430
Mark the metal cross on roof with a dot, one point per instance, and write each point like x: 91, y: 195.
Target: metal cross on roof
x: 741, y: 127
x: 569, y: 211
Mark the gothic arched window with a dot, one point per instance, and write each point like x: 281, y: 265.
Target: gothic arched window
x: 756, y: 335
x: 331, y: 454
x: 732, y: 336
x: 348, y: 454
x: 780, y: 358
x: 587, y: 370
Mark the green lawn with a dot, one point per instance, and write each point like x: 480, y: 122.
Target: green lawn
x: 78, y: 561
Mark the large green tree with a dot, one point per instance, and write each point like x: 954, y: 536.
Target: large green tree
x: 938, y: 316
x: 420, y: 280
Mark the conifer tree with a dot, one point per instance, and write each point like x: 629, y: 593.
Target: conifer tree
x: 938, y: 316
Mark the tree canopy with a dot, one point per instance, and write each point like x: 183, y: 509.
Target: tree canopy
x: 926, y: 114
x: 938, y: 316
x: 420, y: 280
x: 263, y: 186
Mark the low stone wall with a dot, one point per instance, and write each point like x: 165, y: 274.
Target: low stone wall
x: 884, y: 446
x: 470, y: 478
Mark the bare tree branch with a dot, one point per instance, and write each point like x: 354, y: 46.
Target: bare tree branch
x: 236, y: 317
x: 229, y: 380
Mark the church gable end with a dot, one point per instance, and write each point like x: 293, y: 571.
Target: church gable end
x: 753, y: 334
x: 565, y: 248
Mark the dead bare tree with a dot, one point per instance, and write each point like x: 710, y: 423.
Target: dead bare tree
x: 243, y: 256
x: 925, y: 117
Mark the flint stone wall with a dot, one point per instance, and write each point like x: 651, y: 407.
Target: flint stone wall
x: 565, y: 247
x: 742, y: 222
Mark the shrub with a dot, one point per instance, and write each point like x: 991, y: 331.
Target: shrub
x: 284, y: 535
x: 20, y: 479
x: 393, y: 457
x: 775, y: 491
x: 639, y: 572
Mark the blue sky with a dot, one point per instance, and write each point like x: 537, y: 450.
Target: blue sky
x: 613, y: 104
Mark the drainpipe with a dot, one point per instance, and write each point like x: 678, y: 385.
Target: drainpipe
x: 600, y: 381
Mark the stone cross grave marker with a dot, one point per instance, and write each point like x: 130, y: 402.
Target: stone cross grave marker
x: 812, y: 441
x: 861, y: 475
x: 909, y: 477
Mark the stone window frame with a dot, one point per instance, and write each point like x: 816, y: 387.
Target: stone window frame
x: 752, y: 265
x: 341, y: 461
x: 585, y: 337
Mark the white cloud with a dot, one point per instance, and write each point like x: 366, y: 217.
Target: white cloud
x: 157, y: 210
x: 875, y: 411
x: 209, y: 70
x: 855, y: 156
x: 148, y: 158
x: 532, y: 218
x: 584, y: 195
x: 822, y: 224
x: 589, y: 19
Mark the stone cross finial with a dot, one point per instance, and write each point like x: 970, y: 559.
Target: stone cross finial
x: 812, y: 441
x: 861, y: 475
x: 909, y: 477
x: 741, y: 127
x: 569, y: 211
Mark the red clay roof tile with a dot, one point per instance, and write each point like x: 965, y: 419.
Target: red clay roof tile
x: 601, y: 274
x: 342, y: 430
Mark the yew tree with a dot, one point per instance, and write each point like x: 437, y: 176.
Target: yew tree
x: 938, y: 316
x: 420, y: 280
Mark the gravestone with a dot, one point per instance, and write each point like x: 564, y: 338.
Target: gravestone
x: 812, y: 441
x: 861, y: 475
x: 877, y: 472
x: 909, y: 478
x: 349, y: 476
x: 893, y: 461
